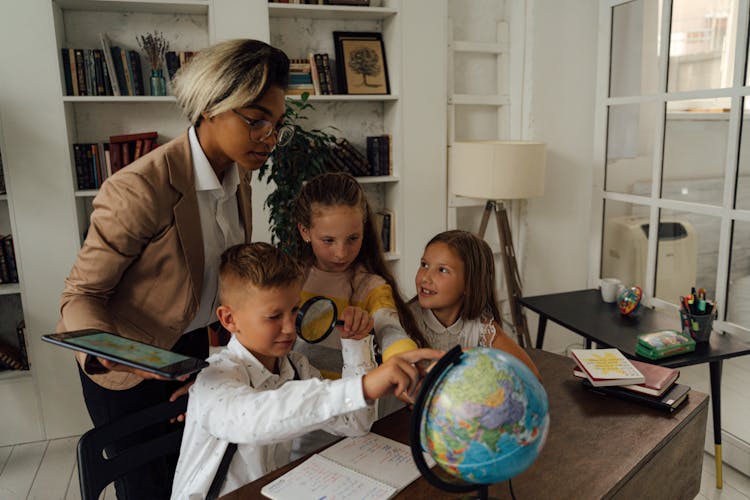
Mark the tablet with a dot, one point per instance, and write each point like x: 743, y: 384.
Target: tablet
x: 127, y: 352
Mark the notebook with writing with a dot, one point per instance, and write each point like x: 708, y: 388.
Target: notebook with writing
x: 366, y: 467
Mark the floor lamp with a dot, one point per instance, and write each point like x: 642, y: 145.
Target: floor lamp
x: 497, y: 171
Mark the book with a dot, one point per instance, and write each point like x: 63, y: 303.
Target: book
x: 658, y: 378
x: 110, y: 63
x: 669, y: 401
x: 606, y: 367
x: 369, y: 466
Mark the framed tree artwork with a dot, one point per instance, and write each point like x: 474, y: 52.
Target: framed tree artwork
x: 360, y: 63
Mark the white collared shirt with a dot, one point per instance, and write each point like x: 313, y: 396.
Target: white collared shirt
x: 466, y: 333
x: 220, y: 226
x: 237, y: 400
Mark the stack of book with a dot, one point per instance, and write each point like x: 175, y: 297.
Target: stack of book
x: 95, y: 162
x: 609, y: 372
x: 105, y: 71
x: 347, y: 158
x: 300, y: 77
x: 379, y: 154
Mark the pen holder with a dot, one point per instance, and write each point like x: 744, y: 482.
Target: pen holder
x: 698, y: 326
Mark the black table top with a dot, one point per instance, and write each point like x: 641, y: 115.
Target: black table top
x: 585, y: 313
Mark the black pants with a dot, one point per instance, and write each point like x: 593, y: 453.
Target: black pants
x: 153, y: 481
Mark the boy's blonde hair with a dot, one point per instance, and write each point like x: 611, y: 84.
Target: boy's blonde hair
x: 229, y: 75
x: 256, y: 264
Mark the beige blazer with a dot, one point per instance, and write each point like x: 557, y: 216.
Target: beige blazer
x: 140, y: 271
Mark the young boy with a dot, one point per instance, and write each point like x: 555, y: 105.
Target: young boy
x: 258, y: 394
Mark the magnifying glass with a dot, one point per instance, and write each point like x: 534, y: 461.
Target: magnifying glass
x: 316, y: 319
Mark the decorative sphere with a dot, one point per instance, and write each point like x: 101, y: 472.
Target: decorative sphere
x: 629, y: 301
x: 486, y: 418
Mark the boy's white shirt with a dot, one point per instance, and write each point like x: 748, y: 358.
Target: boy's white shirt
x: 237, y: 400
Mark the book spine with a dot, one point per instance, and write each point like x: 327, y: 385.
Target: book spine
x: 67, y: 74
x: 80, y: 72
x: 172, y: 62
x: 373, y: 154
x: 115, y: 154
x: 109, y: 64
x: 329, y: 74
x: 385, y: 234
x: 20, y: 327
x: 122, y: 82
x: 127, y: 71
x: 4, y: 274
x: 101, y: 88
x: 135, y: 61
x: 88, y: 58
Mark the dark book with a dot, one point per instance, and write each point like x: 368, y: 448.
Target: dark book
x: 356, y: 161
x: 115, y: 156
x: 127, y: 69
x: 81, y: 72
x: 172, y: 62
x: 373, y: 154
x: 79, y: 159
x: 385, y: 232
x: 20, y: 327
x: 329, y: 74
x: 669, y: 401
x: 122, y: 82
x: 67, y: 74
x: 10, y: 257
x: 101, y: 88
x: 135, y: 61
x: 384, y: 167
x: 320, y: 70
x: 88, y: 58
x: 4, y: 274
x: 10, y: 356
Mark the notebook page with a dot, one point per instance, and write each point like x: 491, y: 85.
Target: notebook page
x: 320, y: 478
x: 376, y: 456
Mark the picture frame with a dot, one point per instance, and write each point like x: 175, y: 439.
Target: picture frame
x: 361, y: 64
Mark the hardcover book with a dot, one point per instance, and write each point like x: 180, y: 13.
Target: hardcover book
x: 669, y: 401
x: 369, y: 466
x: 658, y: 378
x: 606, y: 367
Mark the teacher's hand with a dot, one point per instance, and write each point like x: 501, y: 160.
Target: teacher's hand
x: 117, y: 367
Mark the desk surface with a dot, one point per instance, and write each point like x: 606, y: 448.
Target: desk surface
x: 597, y: 447
x: 585, y: 313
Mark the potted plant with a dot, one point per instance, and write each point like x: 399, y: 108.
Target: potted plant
x: 309, y: 153
x: 155, y: 46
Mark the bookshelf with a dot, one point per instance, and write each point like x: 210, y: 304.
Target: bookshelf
x: 40, y: 124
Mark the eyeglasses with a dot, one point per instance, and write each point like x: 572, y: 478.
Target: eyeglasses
x: 261, y: 129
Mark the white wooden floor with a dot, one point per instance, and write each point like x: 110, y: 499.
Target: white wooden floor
x: 47, y: 471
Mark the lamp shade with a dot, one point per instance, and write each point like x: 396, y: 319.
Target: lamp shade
x: 497, y: 170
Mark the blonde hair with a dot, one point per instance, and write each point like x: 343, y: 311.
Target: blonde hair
x: 256, y: 264
x: 229, y: 75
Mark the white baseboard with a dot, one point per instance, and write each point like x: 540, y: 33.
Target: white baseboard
x: 734, y: 451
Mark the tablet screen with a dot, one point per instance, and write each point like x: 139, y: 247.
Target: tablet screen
x: 123, y: 348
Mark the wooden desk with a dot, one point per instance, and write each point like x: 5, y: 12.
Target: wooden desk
x: 597, y: 447
x: 585, y: 313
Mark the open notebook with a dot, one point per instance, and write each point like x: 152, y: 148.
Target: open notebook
x: 369, y: 467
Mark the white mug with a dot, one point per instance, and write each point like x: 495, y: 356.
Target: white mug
x: 610, y: 288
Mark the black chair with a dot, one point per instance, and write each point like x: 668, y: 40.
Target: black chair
x: 96, y: 471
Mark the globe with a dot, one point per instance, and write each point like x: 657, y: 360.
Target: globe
x: 484, y: 418
x: 629, y: 301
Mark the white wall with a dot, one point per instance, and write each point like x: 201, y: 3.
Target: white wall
x: 560, y: 77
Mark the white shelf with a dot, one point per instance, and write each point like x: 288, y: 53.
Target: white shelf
x: 392, y: 256
x: 7, y: 375
x: 329, y: 11
x: 479, y: 100
x: 121, y: 99
x: 87, y: 193
x: 154, y: 6
x: 480, y: 48
x: 9, y: 288
x: 347, y: 97
x: 377, y: 179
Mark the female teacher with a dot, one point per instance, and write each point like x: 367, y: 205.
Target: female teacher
x: 149, y: 265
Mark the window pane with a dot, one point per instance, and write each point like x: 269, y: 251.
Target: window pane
x: 625, y: 245
x: 701, y: 44
x: 687, y: 254
x: 742, y: 200
x: 630, y: 147
x: 634, y: 57
x: 738, y: 294
x: 695, y: 146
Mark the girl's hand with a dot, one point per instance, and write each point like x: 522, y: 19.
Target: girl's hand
x: 357, y: 323
x: 401, y: 375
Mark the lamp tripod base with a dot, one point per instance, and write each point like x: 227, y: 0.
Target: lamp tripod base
x: 510, y: 268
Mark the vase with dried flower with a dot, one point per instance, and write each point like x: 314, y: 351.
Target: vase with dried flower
x: 155, y: 46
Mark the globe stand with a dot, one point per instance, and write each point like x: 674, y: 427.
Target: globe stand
x: 452, y: 357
